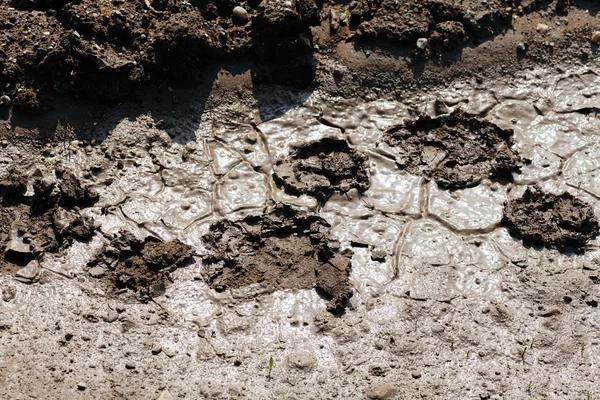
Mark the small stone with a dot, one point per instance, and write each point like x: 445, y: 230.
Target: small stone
x: 81, y: 386
x: 378, y: 254
x: 96, y: 272
x: 521, y: 48
x: 9, y: 293
x: 5, y: 100
x: 130, y: 365
x: 422, y: 43
x: 415, y: 374
x: 241, y: 14
x: 542, y: 28
x: 29, y: 273
x: 156, y: 349
x: 596, y: 37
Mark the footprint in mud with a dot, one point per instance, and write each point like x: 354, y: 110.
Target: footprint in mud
x: 456, y: 150
x: 323, y: 168
x: 561, y: 221
x: 284, y: 249
x: 142, y: 266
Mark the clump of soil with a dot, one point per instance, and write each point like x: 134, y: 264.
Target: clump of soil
x: 323, y: 168
x: 561, y: 221
x: 456, y: 150
x: 46, y: 222
x: 285, y: 249
x: 141, y: 266
x: 26, y: 101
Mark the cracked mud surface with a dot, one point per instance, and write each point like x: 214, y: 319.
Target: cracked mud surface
x: 456, y: 151
x: 323, y: 168
x: 562, y: 221
x: 284, y: 249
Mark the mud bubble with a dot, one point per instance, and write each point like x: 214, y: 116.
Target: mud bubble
x: 456, y: 150
x: 323, y: 168
x: 142, y: 266
x: 562, y: 221
x: 283, y: 249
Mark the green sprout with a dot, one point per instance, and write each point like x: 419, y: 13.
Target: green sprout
x: 589, y: 396
x: 582, y: 348
x: 452, y: 343
x: 270, y: 366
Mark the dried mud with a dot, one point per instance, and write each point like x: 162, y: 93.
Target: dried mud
x: 562, y: 221
x: 456, y: 150
x: 323, y: 168
x: 284, y: 249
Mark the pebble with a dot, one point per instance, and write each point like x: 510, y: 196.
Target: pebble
x: 542, y: 28
x: 165, y: 395
x: 241, y: 14
x: 596, y: 37
x: 415, y: 374
x: 521, y: 48
x: 5, y: 100
x: 81, y: 386
x: 97, y: 272
x: 381, y: 391
x: 130, y: 365
x: 422, y: 43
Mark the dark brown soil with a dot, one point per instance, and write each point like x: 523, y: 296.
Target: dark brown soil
x: 141, y: 266
x: 285, y: 249
x: 456, y: 151
x: 323, y: 168
x: 46, y: 222
x: 562, y: 221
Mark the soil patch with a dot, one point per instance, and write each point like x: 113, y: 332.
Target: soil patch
x: 46, y: 222
x: 322, y: 168
x: 285, y: 249
x: 142, y: 266
x: 456, y: 151
x: 561, y: 221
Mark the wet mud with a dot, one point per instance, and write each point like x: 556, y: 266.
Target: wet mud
x: 48, y: 221
x: 456, y: 151
x: 139, y: 266
x: 284, y: 249
x: 323, y: 168
x: 561, y: 221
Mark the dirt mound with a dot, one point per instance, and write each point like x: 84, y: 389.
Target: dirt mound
x: 285, y: 249
x: 322, y: 168
x: 561, y: 221
x: 456, y: 151
x: 140, y: 266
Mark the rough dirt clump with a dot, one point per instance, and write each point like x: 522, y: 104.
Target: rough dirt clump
x: 285, y: 249
x: 142, y: 266
x: 323, y: 168
x: 46, y: 222
x: 456, y: 150
x: 561, y: 221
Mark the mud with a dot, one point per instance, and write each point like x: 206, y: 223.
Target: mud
x: 140, y: 266
x: 284, y: 249
x: 562, y: 221
x: 323, y: 168
x: 46, y: 222
x: 456, y: 151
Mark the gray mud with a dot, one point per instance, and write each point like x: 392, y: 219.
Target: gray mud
x: 446, y: 302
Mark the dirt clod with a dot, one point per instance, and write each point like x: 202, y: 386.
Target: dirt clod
x: 141, y: 266
x: 561, y: 221
x: 285, y: 249
x: 322, y: 168
x: 456, y: 150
